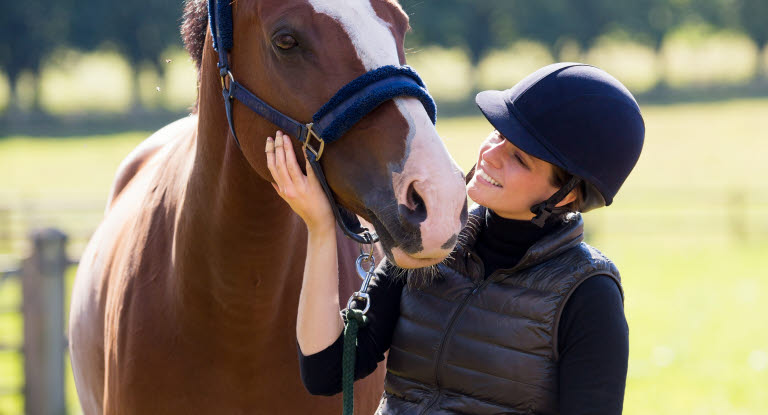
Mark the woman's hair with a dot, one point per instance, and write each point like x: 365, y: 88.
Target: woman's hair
x: 559, y: 178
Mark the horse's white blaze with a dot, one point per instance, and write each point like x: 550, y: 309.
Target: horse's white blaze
x: 427, y: 164
x: 436, y: 178
x: 370, y: 35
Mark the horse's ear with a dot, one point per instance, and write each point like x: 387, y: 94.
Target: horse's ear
x: 407, y: 20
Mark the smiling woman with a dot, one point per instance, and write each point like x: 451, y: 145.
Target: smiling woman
x: 523, y: 317
x: 511, y: 180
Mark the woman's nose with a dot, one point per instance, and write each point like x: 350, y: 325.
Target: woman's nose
x: 493, y: 155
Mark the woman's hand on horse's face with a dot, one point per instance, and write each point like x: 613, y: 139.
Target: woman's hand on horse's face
x: 302, y: 192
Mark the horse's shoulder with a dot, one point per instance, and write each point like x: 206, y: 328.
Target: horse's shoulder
x: 138, y: 158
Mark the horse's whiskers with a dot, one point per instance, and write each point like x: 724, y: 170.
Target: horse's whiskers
x: 420, y: 277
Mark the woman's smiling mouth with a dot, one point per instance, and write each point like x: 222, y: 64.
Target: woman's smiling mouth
x: 486, y: 177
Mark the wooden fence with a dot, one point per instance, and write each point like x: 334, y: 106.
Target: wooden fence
x: 44, y: 345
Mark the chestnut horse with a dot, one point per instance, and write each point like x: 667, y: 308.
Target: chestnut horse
x: 186, y: 296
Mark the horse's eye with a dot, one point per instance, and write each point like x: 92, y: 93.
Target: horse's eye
x: 286, y: 42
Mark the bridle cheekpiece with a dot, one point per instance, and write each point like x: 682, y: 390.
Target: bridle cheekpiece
x: 348, y: 106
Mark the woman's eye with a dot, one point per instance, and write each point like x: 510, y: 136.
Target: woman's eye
x: 520, y: 160
x: 286, y: 42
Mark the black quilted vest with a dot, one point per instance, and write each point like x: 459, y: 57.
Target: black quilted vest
x: 469, y: 345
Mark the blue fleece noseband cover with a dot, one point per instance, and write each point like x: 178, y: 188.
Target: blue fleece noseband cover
x: 220, y: 20
x: 364, y: 94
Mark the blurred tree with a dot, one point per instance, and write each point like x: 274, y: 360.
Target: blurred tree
x: 141, y: 31
x: 31, y: 30
x: 718, y: 13
x: 457, y: 23
x: 480, y: 26
x: 753, y: 17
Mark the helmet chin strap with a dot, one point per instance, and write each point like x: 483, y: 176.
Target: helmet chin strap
x: 470, y: 175
x: 548, y: 207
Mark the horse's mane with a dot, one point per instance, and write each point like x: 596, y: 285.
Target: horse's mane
x: 193, y: 27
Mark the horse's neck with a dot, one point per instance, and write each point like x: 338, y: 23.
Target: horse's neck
x: 238, y: 247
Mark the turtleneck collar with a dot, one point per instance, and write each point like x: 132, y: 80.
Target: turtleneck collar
x: 503, y: 242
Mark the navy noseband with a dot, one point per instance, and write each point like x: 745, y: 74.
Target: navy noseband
x: 348, y: 106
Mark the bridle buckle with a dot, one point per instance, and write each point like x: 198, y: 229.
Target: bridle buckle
x: 224, y: 76
x: 317, y: 151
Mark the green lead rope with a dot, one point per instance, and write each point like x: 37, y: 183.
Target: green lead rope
x: 354, y: 319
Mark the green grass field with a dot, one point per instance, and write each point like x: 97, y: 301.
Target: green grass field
x: 689, y: 231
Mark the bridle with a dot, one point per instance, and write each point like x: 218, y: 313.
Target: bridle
x: 348, y: 106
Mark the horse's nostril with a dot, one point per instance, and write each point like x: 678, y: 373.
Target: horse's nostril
x: 416, y: 207
x: 413, y: 198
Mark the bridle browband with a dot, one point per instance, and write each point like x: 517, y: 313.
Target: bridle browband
x: 348, y: 106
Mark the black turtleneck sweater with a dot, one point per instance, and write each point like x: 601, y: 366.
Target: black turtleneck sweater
x: 503, y: 242
x: 593, y: 336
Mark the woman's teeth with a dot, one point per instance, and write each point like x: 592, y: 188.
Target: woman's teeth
x: 485, y: 176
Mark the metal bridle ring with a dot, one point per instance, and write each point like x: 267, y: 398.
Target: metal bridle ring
x: 362, y: 251
x: 360, y: 296
x: 362, y: 272
x: 231, y: 80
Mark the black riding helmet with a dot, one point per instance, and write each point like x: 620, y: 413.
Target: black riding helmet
x: 577, y: 117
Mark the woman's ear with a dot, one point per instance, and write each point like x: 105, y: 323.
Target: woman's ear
x: 570, y: 197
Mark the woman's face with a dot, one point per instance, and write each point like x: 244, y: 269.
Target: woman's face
x: 510, y: 181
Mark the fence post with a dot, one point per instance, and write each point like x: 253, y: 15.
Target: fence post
x: 43, y: 308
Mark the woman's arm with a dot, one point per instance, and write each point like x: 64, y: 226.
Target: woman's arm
x: 321, y: 372
x: 594, y: 349
x: 319, y: 323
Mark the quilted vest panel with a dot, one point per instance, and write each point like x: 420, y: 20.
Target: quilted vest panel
x: 469, y: 345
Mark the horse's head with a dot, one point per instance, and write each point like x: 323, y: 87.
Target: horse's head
x: 391, y: 168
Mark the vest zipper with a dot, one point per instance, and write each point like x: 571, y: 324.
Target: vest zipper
x: 432, y: 401
x: 448, y: 331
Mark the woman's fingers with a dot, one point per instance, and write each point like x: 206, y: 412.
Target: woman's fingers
x: 270, y: 150
x: 311, y: 176
x: 303, y: 193
x: 290, y: 159
x: 284, y: 179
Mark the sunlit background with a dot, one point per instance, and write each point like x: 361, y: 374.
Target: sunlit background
x: 81, y: 85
